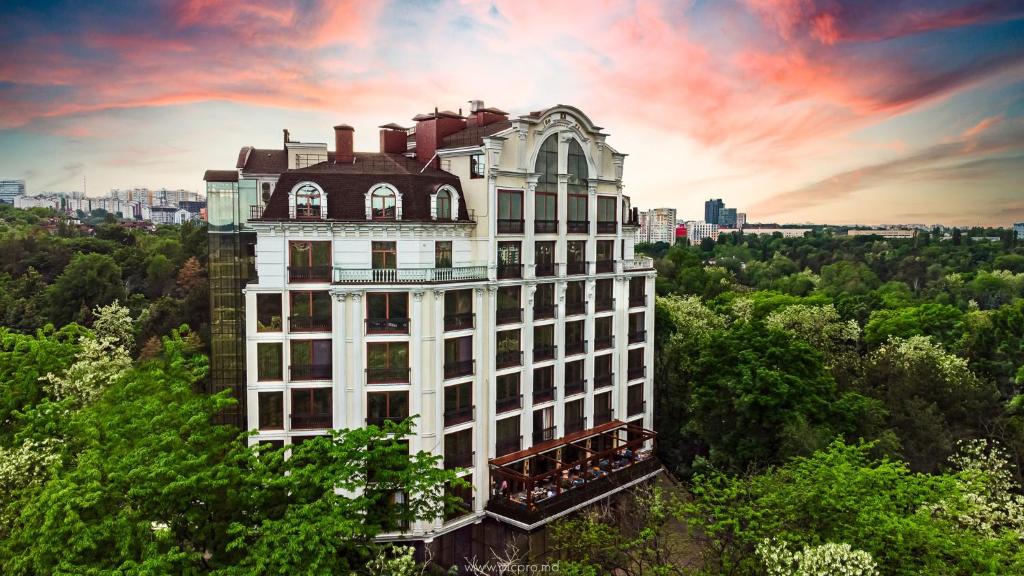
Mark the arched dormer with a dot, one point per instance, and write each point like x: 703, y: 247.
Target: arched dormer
x: 307, y: 201
x: 383, y: 202
x: 444, y: 203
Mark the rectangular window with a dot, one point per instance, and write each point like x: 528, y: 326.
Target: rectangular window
x: 603, y: 371
x: 476, y: 166
x: 605, y: 255
x: 637, y: 327
x: 443, y: 254
x: 578, y: 213
x: 543, y: 342
x: 386, y: 406
x: 543, y: 424
x: 637, y: 292
x: 574, y: 342
x: 574, y: 419
x: 309, y: 261
x: 575, y: 298
x: 635, y: 400
x: 458, y: 403
x: 384, y: 255
x: 509, y: 305
x: 311, y: 408
x: 544, y: 302
x: 387, y: 362
x: 508, y: 436
x: 271, y: 407
x: 509, y: 351
x: 268, y: 313
x: 387, y: 312
x: 576, y: 256
x: 510, y: 211
x: 458, y: 449
x: 268, y: 361
x: 311, y: 359
x: 544, y: 258
x: 543, y: 384
x: 458, y: 357
x: 507, y: 396
x: 602, y: 408
x: 603, y: 333
x: 545, y: 213
x: 603, y: 291
x: 310, y: 311
x: 458, y: 309
x: 635, y: 363
x: 573, y: 376
x: 606, y: 210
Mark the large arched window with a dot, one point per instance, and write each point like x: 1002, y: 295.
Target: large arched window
x: 444, y: 205
x: 307, y: 203
x: 578, y: 173
x: 545, y: 195
x: 383, y: 202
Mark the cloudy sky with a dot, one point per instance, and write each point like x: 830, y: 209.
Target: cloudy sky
x: 868, y: 111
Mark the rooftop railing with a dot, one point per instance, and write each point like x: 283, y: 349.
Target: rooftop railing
x: 408, y: 275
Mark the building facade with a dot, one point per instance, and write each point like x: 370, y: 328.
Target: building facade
x: 11, y: 189
x: 697, y: 231
x: 713, y: 210
x: 656, y: 225
x: 478, y: 273
x: 1018, y: 230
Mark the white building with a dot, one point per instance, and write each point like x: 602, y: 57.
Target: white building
x: 1018, y: 229
x: 784, y: 232
x: 656, y: 225
x: 697, y: 231
x: 10, y: 190
x: 498, y: 299
x: 884, y: 232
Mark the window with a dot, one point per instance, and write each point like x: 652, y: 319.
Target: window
x: 509, y: 260
x: 543, y: 384
x: 545, y: 213
x: 544, y: 301
x: 311, y: 359
x: 574, y: 419
x: 271, y: 407
x: 543, y: 342
x: 310, y: 311
x: 383, y: 255
x: 268, y: 361
x: 578, y: 213
x: 386, y: 406
x: 603, y: 291
x: 637, y: 327
x: 476, y: 166
x: 509, y: 308
x: 387, y: 362
x: 574, y: 343
x: 458, y: 357
x: 458, y: 449
x: 508, y: 437
x: 268, y: 312
x: 543, y: 424
x: 307, y: 202
x: 458, y: 403
x: 605, y: 255
x: 443, y: 205
x: 509, y: 352
x: 443, y: 254
x: 458, y: 309
x: 603, y: 333
x: 547, y: 165
x: 387, y: 312
x: 507, y: 396
x: 635, y: 363
x: 606, y: 214
x: 602, y: 408
x: 635, y: 400
x: 510, y: 211
x: 576, y: 256
x: 309, y: 261
x: 573, y: 376
x: 603, y: 371
x: 544, y: 257
x: 383, y: 204
x: 575, y: 298
x: 637, y: 292
x: 311, y: 408
x: 577, y: 166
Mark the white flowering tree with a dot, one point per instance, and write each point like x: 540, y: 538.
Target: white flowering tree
x: 989, y: 500
x: 103, y: 357
x: 830, y: 559
x: 819, y: 326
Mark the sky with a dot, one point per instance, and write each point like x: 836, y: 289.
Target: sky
x: 824, y: 111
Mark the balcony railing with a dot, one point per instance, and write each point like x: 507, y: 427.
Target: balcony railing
x: 578, y: 226
x: 543, y: 394
x: 309, y: 273
x: 510, y: 271
x: 602, y: 380
x: 461, y: 321
x: 604, y: 342
x: 543, y: 311
x: 311, y: 421
x: 600, y: 417
x: 301, y: 323
x: 508, y: 445
x: 380, y: 420
x: 545, y: 269
x: 545, y: 434
x: 606, y: 227
x: 459, y: 368
x: 636, y: 372
x: 543, y: 352
x: 638, y: 263
x: 604, y: 305
x: 545, y: 226
x: 604, y: 266
x: 305, y: 212
x: 510, y: 226
x: 638, y: 336
x: 633, y: 408
x: 310, y: 371
x: 508, y: 315
x: 573, y: 387
x: 637, y: 300
x: 459, y: 415
x: 461, y: 459
x: 387, y: 375
x: 572, y: 308
x: 575, y: 347
x: 387, y: 325
x: 576, y: 268
x: 408, y: 275
x: 507, y: 404
x: 256, y: 212
x: 509, y: 358
x: 575, y: 425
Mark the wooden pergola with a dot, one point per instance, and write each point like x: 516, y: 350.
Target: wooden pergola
x: 568, y: 463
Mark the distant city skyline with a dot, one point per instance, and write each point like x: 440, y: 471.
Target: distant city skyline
x: 810, y: 111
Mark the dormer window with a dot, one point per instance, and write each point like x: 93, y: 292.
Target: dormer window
x: 445, y: 204
x: 307, y: 202
x: 383, y: 202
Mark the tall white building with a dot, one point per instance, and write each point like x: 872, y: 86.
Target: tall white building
x: 657, y: 225
x: 477, y: 272
x: 11, y: 189
x: 697, y: 231
x: 1018, y: 229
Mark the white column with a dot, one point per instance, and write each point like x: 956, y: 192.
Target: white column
x: 355, y: 383
x: 559, y: 409
x: 529, y: 213
x: 424, y: 438
x: 649, y: 353
x: 483, y: 397
x: 340, y: 376
x: 526, y: 343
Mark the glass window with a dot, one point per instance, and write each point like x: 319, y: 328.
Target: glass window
x: 547, y: 165
x: 636, y: 323
x: 603, y: 291
x: 508, y: 342
x: 507, y: 430
x: 508, y: 297
x: 577, y: 166
x: 444, y: 205
x: 577, y: 208
x: 574, y: 411
x: 458, y: 350
x: 543, y: 379
x: 268, y: 312
x: 310, y: 304
x: 387, y: 355
x: 605, y: 250
x: 575, y: 292
x: 546, y: 206
x: 384, y: 255
x: 382, y: 406
x: 603, y: 328
x: 545, y: 295
x: 268, y: 361
x: 544, y: 253
x: 307, y: 202
x: 574, y: 332
x: 271, y: 409
x: 574, y: 371
x: 576, y: 251
x: 311, y: 408
x: 382, y: 204
x: 443, y: 254
x: 509, y: 253
x: 387, y: 305
x: 458, y: 302
x: 303, y: 253
x: 603, y: 365
x: 605, y: 209
x: 476, y: 166
x: 510, y: 204
x: 507, y: 386
x: 544, y: 335
x: 458, y: 397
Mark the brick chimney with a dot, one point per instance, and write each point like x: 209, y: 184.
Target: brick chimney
x: 393, y: 139
x: 481, y: 116
x: 430, y: 129
x: 343, y: 134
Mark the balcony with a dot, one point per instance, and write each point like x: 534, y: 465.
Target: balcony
x: 579, y: 347
x: 604, y: 342
x: 301, y: 323
x: 573, y: 308
x: 638, y: 263
x: 543, y: 394
x: 462, y: 321
x: 545, y: 269
x: 508, y: 404
x: 508, y: 315
x: 638, y: 336
x: 379, y: 421
x: 460, y: 459
x: 387, y: 375
x: 602, y: 380
x: 387, y: 325
x: 543, y: 311
x: 606, y: 227
x: 575, y: 425
x: 459, y: 368
x: 309, y: 273
x: 305, y: 213
x: 576, y: 268
x: 545, y: 434
x: 542, y: 352
x: 545, y: 226
x: 604, y: 305
x: 506, y: 271
x: 510, y: 226
x: 635, y: 408
x: 637, y: 300
x: 636, y: 372
x: 459, y: 415
x: 578, y: 226
x: 573, y: 387
x: 256, y: 212
x: 603, y: 416
x: 408, y: 275
x: 508, y: 445
x: 509, y: 359
x: 310, y: 371
x: 605, y: 266
x: 312, y: 421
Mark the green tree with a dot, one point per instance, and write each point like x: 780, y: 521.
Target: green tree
x: 940, y: 321
x: 89, y: 280
x: 847, y: 277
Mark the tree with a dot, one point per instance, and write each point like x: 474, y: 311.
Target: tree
x: 89, y: 280
x: 847, y: 277
x: 940, y: 321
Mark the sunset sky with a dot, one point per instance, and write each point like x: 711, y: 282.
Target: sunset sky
x: 820, y: 111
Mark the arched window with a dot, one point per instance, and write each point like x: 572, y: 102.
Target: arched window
x: 444, y: 205
x: 578, y: 173
x: 383, y: 204
x: 547, y: 165
x: 307, y: 202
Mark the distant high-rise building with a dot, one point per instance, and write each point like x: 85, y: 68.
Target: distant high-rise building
x: 741, y: 220
x: 727, y: 218
x: 662, y: 225
x: 1018, y: 229
x: 713, y: 210
x: 697, y: 231
x: 11, y: 189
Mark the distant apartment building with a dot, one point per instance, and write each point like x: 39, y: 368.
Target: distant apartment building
x: 479, y: 272
x: 697, y: 231
x: 657, y: 225
x: 884, y: 232
x: 784, y: 232
x: 1018, y: 230
x: 11, y: 189
x: 741, y: 220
